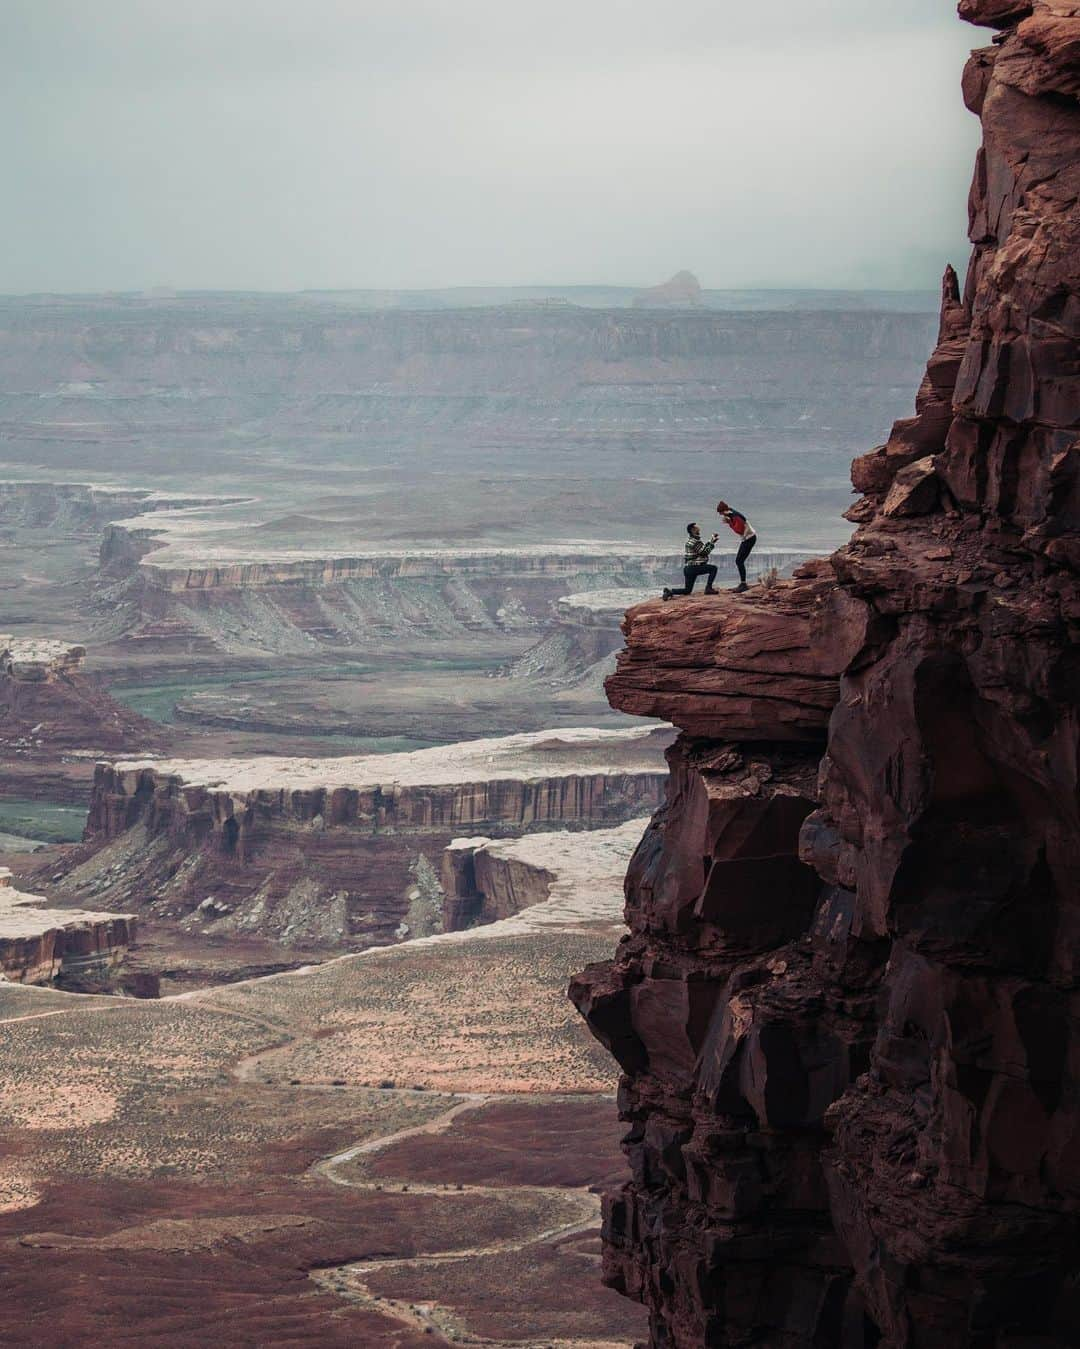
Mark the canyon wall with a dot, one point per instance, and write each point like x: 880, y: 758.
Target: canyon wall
x: 329, y: 851
x: 483, y: 881
x: 66, y: 507
x: 39, y: 945
x: 91, y: 369
x: 300, y: 604
x: 847, y: 1010
x: 571, y: 879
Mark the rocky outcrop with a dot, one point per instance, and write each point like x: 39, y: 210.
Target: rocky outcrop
x: 606, y: 607
x: 54, y: 720
x: 683, y: 291
x: 569, y: 879
x: 846, y: 1013
x: 39, y: 660
x: 917, y: 439
x: 579, y: 650
x: 39, y: 945
x: 330, y: 851
x: 762, y: 670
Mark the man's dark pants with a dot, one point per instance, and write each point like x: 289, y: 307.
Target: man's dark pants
x: 745, y: 549
x: 692, y: 573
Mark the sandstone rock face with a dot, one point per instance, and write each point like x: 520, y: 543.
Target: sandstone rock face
x: 39, y: 945
x: 847, y: 1010
x: 767, y: 669
x: 489, y: 880
x: 327, y: 851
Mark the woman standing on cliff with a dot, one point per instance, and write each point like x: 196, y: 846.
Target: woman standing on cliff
x: 741, y: 525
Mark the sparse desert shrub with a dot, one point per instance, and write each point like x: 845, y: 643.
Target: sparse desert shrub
x: 769, y: 578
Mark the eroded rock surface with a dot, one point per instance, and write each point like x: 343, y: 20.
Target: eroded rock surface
x: 341, y: 852
x: 486, y: 880
x: 54, y: 720
x: 39, y: 944
x: 847, y: 1010
x: 763, y: 669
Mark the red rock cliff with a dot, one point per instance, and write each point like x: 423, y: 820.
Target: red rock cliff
x: 847, y: 1012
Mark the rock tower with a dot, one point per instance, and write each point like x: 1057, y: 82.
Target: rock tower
x: 848, y: 1015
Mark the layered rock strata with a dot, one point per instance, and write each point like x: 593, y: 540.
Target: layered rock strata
x: 763, y: 670
x: 183, y: 587
x: 287, y: 603
x: 847, y: 1010
x: 39, y: 945
x: 39, y: 660
x: 487, y: 880
x: 67, y: 507
x: 339, y: 851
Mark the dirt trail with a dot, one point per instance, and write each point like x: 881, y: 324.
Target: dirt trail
x: 348, y: 1280
x: 581, y: 1207
x: 102, y: 1006
x: 328, y: 1167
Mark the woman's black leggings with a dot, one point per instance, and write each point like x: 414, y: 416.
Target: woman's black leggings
x: 745, y: 549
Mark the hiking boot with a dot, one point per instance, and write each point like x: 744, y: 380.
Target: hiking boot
x: 741, y: 587
x: 666, y: 595
x: 711, y: 590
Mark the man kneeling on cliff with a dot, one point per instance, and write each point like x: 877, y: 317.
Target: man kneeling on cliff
x: 696, y: 563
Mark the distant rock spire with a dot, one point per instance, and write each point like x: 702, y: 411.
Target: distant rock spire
x: 683, y: 291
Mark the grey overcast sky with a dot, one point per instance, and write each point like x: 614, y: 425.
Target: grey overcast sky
x: 284, y: 144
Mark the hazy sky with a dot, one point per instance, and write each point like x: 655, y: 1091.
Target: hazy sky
x: 282, y: 144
